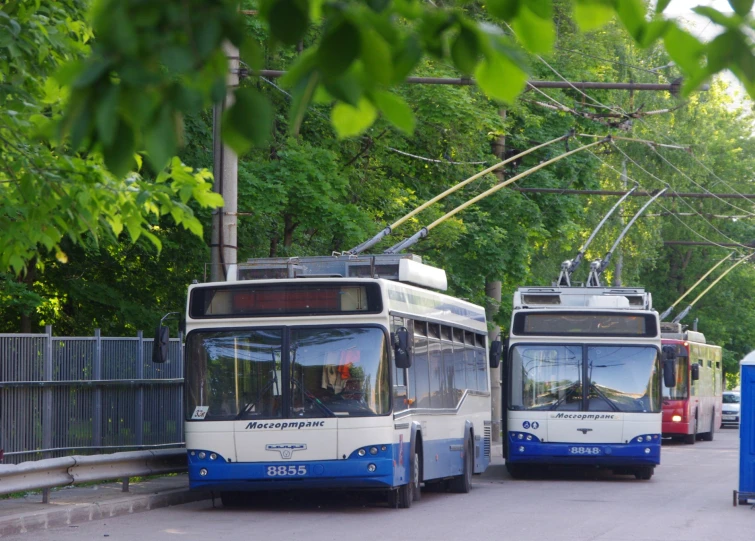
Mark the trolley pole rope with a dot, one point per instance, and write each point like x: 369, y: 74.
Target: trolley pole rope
x: 670, y: 309
x: 425, y: 230
x: 389, y: 229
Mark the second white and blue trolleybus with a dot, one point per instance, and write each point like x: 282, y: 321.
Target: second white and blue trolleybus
x: 583, y: 380
x: 335, y: 373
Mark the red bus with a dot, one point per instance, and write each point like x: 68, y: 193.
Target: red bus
x: 692, y: 409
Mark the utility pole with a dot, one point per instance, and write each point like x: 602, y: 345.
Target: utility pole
x: 493, y: 304
x: 620, y: 260
x: 225, y: 171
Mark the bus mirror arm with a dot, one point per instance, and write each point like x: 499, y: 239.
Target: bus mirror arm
x: 669, y: 367
x: 496, y: 351
x: 401, y: 349
x: 162, y: 340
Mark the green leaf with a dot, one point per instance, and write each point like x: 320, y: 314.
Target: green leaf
x: 465, y: 50
x: 722, y: 50
x: 93, y: 71
x: 591, y: 15
x: 683, y: 48
x: 160, y: 139
x: 119, y: 157
x: 537, y: 34
x: 288, y: 20
x: 741, y: 7
x: 302, y: 96
x: 632, y: 15
x: 251, y: 53
x: 396, y: 110
x: 661, y: 5
x: 717, y: 17
x: 376, y: 57
x: 349, y: 121
x: 177, y: 59
x: 248, y: 121
x: 653, y: 31
x: 338, y: 49
x: 500, y: 78
x: 405, y: 58
x: 106, y: 116
x: 503, y: 9
x: 345, y: 88
x: 378, y: 6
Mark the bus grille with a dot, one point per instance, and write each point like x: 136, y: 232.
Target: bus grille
x: 486, y: 442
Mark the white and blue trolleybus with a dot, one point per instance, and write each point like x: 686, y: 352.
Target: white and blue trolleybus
x: 336, y: 372
x: 583, y: 380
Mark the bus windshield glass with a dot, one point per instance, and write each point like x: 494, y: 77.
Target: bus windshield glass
x: 679, y: 392
x: 585, y: 378
x: 247, y: 374
x: 339, y: 372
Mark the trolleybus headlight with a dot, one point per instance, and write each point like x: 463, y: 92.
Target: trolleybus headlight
x: 193, y: 453
x: 639, y: 439
x: 647, y: 450
x: 521, y: 448
x: 202, y: 454
x: 529, y: 437
x: 203, y: 472
x: 371, y: 467
x: 648, y: 438
x: 676, y: 418
x: 373, y: 450
x: 213, y: 456
x: 361, y: 452
x: 520, y: 436
x: 383, y: 448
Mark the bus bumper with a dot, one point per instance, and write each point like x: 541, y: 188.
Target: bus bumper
x: 635, y: 453
x: 352, y: 473
x: 675, y: 429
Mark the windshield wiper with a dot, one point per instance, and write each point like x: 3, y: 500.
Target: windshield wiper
x: 602, y: 395
x: 313, y: 399
x: 251, y: 404
x: 570, y: 391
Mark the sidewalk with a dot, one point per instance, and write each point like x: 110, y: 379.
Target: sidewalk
x: 74, y: 505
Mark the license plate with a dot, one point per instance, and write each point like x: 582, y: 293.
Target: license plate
x: 585, y: 450
x: 289, y: 470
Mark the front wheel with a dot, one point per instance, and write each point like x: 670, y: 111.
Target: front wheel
x: 708, y: 436
x: 644, y: 473
x: 689, y: 439
x: 462, y: 484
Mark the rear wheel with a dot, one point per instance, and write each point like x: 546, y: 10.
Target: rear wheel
x: 708, y: 436
x: 644, y: 473
x: 417, y: 477
x: 462, y: 484
x: 517, y: 471
x: 689, y: 439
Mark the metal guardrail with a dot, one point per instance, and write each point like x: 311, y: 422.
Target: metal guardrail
x: 70, y: 470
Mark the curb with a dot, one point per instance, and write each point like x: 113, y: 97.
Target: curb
x: 79, y: 513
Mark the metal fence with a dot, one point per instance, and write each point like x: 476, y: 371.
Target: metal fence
x: 65, y: 395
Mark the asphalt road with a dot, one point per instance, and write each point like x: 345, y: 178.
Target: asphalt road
x: 688, y: 499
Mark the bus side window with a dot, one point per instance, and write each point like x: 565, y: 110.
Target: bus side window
x: 471, y: 362
x: 420, y: 371
x: 460, y: 374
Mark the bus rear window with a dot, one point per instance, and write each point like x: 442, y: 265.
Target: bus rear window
x: 585, y: 324
x: 289, y: 299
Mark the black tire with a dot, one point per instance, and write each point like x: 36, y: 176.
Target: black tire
x: 517, y: 471
x: 708, y: 436
x: 232, y: 499
x: 417, y: 476
x: 644, y: 473
x: 690, y: 439
x: 462, y: 484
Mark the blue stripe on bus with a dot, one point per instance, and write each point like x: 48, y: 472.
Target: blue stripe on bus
x: 391, y: 469
x: 614, y: 454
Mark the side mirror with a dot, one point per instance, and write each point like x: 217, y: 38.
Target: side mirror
x: 401, y: 348
x: 669, y: 366
x: 160, y: 346
x: 496, y: 350
x: 695, y: 372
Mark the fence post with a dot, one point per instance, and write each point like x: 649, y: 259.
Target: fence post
x: 97, y: 376
x: 139, y: 391
x: 47, y: 404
